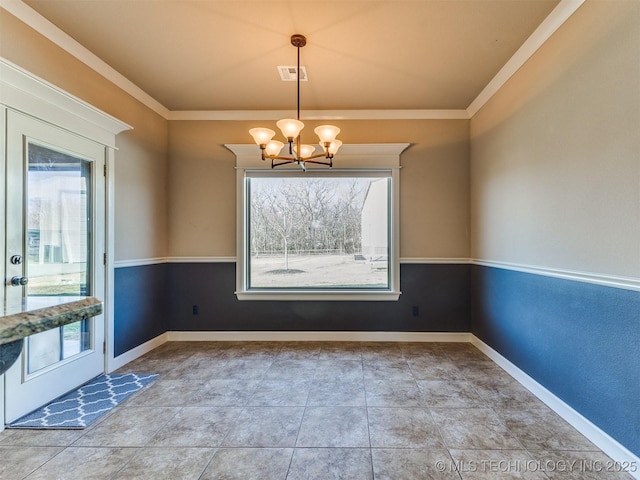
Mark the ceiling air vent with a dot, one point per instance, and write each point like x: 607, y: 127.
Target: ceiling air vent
x: 290, y: 74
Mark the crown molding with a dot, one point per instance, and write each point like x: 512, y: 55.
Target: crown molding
x: 40, y: 24
x: 545, y: 30
x: 548, y: 27
x: 240, y: 115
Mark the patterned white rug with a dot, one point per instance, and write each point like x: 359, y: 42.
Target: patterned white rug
x: 81, y: 407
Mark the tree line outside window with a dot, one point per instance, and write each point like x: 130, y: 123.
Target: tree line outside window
x: 300, y: 216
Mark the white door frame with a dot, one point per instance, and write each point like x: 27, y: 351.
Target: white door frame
x: 25, y: 92
x: 3, y: 113
x: 109, y: 299
x: 26, y: 391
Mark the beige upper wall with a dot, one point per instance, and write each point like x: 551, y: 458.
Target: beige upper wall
x: 434, y: 184
x: 555, y: 167
x: 141, y: 160
x: 188, y: 208
x: 555, y: 155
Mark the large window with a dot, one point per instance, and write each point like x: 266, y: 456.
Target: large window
x: 314, y: 234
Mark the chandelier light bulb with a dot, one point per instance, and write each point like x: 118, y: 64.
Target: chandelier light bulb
x: 273, y: 148
x: 327, y: 133
x: 306, y: 151
x: 333, y: 147
x: 262, y: 136
x: 290, y: 128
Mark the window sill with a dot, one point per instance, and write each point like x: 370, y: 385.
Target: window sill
x: 289, y: 295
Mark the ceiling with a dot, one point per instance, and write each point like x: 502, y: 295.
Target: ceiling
x: 361, y: 54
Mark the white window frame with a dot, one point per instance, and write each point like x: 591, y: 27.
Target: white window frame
x: 354, y: 158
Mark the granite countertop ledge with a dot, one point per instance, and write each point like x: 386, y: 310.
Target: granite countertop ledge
x: 44, y: 313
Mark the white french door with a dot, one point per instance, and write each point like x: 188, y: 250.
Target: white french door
x: 55, y: 241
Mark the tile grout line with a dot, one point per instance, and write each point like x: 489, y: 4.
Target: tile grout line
x: 295, y: 443
x: 366, y: 413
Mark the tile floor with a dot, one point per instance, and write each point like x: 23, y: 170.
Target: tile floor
x: 314, y: 411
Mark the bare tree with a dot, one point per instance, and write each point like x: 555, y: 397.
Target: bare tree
x: 306, y: 215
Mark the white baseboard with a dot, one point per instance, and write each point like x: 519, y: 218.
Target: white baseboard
x: 131, y: 355
x: 350, y: 336
x: 617, y: 451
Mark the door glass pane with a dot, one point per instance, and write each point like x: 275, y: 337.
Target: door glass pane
x: 52, y: 346
x: 58, y: 246
x: 43, y: 350
x: 75, y: 338
x: 58, y: 223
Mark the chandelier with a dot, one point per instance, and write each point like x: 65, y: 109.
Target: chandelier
x: 291, y: 128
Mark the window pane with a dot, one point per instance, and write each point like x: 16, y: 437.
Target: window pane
x: 318, y: 233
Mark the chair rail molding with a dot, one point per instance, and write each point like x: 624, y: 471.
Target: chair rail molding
x: 606, y: 280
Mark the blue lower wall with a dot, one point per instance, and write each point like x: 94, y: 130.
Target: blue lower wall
x: 581, y: 341
x: 153, y: 299
x: 141, y: 305
x: 440, y: 292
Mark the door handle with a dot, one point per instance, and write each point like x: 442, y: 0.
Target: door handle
x: 19, y: 281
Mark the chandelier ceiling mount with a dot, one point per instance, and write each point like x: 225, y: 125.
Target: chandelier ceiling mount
x: 298, y: 153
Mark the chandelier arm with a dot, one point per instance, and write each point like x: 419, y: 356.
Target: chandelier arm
x: 288, y: 161
x: 294, y: 159
x: 329, y: 163
x: 319, y: 155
